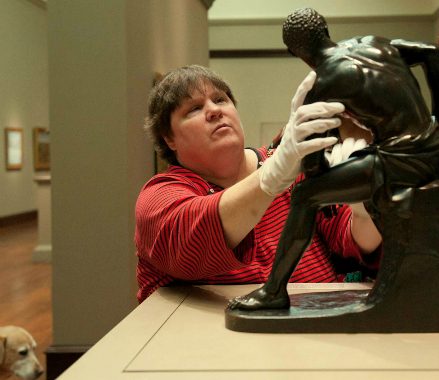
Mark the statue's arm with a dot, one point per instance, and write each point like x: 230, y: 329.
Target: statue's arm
x: 426, y: 55
x: 338, y: 82
x: 416, y: 53
x: 314, y: 163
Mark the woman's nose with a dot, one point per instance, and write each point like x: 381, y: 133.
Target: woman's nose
x: 214, y: 111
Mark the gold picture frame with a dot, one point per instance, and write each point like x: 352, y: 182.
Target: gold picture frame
x: 14, y: 148
x: 41, y: 148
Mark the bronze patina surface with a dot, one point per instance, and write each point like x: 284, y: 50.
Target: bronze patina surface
x: 396, y: 176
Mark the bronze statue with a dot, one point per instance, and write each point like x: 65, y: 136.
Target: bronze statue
x: 396, y: 175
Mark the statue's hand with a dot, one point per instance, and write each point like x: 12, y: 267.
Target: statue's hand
x: 280, y: 170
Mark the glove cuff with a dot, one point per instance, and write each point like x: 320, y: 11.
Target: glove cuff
x: 262, y: 184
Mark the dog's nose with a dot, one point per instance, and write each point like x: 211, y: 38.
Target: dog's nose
x: 38, y: 373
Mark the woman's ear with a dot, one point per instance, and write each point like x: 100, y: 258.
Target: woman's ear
x: 170, y: 143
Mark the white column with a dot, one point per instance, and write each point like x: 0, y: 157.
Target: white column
x: 102, y: 62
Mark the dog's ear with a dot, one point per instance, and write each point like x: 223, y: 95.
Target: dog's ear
x: 2, y: 349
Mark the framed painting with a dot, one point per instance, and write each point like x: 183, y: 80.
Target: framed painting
x: 41, y: 149
x: 14, y: 148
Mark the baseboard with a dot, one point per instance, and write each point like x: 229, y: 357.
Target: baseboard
x: 59, y: 358
x: 42, y: 253
x: 18, y: 218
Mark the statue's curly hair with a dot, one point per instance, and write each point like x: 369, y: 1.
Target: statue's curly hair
x: 303, y: 30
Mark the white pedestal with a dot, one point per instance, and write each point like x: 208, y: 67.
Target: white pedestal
x: 178, y: 333
x: 43, y: 252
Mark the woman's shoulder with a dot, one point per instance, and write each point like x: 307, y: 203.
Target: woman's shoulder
x: 179, y: 176
x: 262, y: 153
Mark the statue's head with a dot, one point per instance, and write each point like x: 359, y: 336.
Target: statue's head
x: 304, y: 32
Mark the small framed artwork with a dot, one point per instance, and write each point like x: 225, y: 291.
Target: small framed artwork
x: 41, y: 149
x: 14, y: 148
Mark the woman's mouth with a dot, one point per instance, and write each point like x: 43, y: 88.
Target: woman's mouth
x: 219, y: 127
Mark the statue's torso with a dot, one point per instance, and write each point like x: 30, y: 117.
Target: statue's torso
x: 378, y: 89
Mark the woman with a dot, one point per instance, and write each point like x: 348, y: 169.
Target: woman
x: 215, y: 216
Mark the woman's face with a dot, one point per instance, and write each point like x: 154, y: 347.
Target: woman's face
x: 205, y: 127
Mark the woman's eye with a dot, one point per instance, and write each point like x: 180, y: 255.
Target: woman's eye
x: 220, y: 100
x: 195, y: 108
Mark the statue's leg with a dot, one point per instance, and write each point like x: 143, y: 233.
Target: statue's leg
x: 395, y: 248
x: 307, y: 198
x: 405, y: 234
x: 296, y: 237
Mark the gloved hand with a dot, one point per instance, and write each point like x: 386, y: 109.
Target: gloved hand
x: 340, y: 153
x: 280, y: 170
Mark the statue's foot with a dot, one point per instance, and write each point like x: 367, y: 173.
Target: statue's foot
x: 260, y: 299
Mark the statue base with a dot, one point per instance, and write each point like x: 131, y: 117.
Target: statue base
x: 410, y: 306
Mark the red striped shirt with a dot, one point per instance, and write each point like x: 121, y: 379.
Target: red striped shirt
x: 179, y: 237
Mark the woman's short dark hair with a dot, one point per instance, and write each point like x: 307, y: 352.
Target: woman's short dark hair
x: 167, y: 95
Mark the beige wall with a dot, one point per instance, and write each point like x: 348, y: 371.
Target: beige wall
x: 264, y: 86
x: 23, y: 96
x: 257, y: 9
x: 102, y: 59
x: 436, y: 22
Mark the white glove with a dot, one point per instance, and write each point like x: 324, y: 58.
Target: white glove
x: 340, y: 153
x: 280, y: 170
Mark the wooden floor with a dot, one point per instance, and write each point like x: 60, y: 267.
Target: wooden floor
x: 25, y: 287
